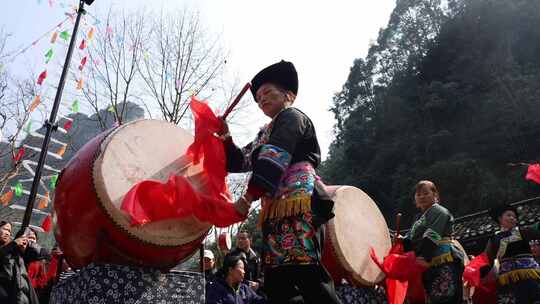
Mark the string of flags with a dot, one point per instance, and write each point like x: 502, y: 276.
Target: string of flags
x: 57, y: 34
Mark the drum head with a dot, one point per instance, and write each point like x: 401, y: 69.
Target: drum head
x: 357, y: 226
x: 146, y: 149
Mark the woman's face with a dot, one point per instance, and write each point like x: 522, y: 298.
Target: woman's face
x: 237, y: 272
x: 271, y: 99
x: 508, y: 220
x: 5, y: 234
x: 425, y: 197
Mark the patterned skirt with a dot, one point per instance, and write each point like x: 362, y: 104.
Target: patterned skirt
x: 519, y: 281
x: 443, y: 283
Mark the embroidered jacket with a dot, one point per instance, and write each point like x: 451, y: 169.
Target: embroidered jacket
x: 283, y: 159
x: 431, y: 236
x: 512, y: 249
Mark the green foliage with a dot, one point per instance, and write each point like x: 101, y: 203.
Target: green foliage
x: 450, y: 92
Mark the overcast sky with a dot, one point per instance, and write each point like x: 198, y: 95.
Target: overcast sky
x: 322, y: 38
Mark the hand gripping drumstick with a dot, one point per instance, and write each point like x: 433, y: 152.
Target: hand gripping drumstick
x: 236, y: 100
x: 398, y: 220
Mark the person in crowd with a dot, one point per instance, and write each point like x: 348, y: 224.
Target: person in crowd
x: 535, y: 249
x: 431, y: 239
x: 243, y: 245
x: 518, y: 278
x: 15, y: 285
x: 209, y: 265
x: 283, y: 159
x: 228, y: 286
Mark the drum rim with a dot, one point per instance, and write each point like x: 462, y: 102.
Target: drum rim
x: 338, y: 252
x: 98, y: 154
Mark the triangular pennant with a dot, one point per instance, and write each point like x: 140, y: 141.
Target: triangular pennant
x: 68, y: 125
x: 83, y: 63
x: 61, y: 151
x: 42, y: 77
x: 28, y: 128
x: 110, y: 109
x: 54, y: 178
x: 18, y: 189
x: 82, y: 46
x: 35, y: 103
x: 54, y: 37
x: 80, y: 84
x: 47, y: 223
x: 44, y: 201
x: 65, y: 35
x: 6, y: 198
x: 75, y: 106
x: 90, y: 35
x: 49, y: 55
x: 19, y: 155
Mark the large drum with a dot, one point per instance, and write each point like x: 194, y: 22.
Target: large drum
x: 357, y: 226
x: 90, y: 227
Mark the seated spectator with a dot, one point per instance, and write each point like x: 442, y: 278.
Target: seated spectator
x: 15, y: 286
x: 228, y: 287
x: 243, y: 246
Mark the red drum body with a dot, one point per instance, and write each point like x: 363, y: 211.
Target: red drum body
x: 357, y: 226
x: 90, y: 227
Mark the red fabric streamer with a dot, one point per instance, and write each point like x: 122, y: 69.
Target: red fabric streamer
x: 403, y: 274
x: 471, y: 273
x: 47, y: 224
x: 533, y: 173
x: 152, y: 200
x: 19, y: 155
x: 37, y: 274
x: 42, y: 77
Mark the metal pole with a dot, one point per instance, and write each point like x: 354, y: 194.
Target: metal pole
x: 50, y: 125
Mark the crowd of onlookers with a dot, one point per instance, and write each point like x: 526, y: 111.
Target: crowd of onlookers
x: 27, y: 270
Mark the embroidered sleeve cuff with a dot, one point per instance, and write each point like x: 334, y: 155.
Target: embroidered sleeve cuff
x: 271, y: 164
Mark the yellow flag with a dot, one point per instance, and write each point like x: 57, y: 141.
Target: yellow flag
x: 80, y: 84
x: 90, y: 34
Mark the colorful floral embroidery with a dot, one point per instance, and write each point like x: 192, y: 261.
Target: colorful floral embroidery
x: 442, y: 284
x: 290, y: 240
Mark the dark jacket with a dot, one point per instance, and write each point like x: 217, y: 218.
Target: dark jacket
x: 15, y: 286
x: 219, y: 292
x: 253, y: 264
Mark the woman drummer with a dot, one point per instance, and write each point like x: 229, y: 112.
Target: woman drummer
x: 283, y: 159
x: 430, y: 238
x: 519, y: 274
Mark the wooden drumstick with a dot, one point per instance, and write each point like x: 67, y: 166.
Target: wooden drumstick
x: 236, y: 100
x: 398, y: 220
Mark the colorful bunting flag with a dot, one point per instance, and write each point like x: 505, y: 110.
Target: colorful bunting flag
x: 47, y: 224
x: 19, y: 155
x: 80, y: 84
x: 44, y: 201
x: 90, y: 35
x: 28, y: 128
x: 61, y: 151
x: 54, y: 37
x: 83, y: 63
x: 6, y: 198
x: 146, y: 56
x: 18, y: 189
x: 65, y: 35
x: 49, y: 55
x: 109, y: 30
x: 35, y: 103
x: 68, y: 125
x: 54, y: 178
x: 82, y: 46
x: 75, y: 106
x: 42, y: 77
